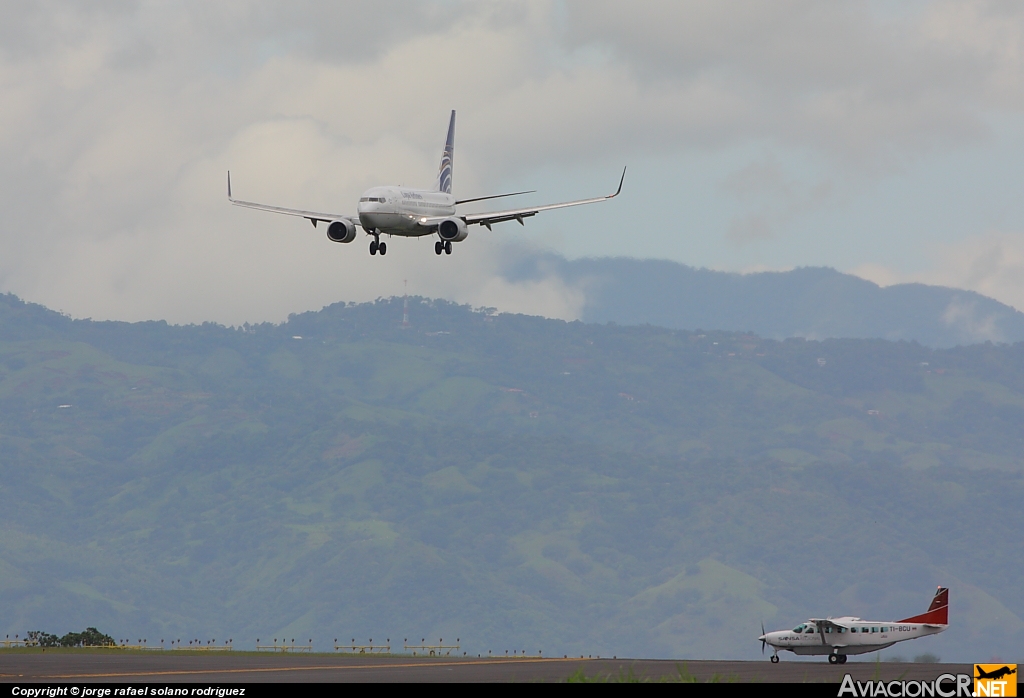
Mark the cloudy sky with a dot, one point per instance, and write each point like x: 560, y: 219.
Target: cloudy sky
x: 881, y: 138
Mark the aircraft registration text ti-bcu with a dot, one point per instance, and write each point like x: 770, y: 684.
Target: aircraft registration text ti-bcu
x: 839, y: 637
x: 417, y: 212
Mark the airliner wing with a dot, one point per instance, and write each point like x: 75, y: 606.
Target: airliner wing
x: 312, y: 216
x: 518, y: 214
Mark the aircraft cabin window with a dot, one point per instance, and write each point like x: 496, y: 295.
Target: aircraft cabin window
x: 809, y: 629
x: 798, y: 629
x: 874, y: 630
x: 885, y: 629
x: 853, y: 630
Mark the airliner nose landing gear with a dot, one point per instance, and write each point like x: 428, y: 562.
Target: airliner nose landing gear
x: 445, y: 247
x: 378, y: 246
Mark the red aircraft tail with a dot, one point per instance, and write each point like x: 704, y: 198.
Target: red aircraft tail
x: 938, y: 612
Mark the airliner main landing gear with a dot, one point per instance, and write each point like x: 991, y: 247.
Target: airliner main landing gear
x: 837, y: 659
x: 443, y: 246
x: 378, y: 246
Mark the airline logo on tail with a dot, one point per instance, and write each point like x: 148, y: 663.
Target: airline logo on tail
x: 995, y: 680
x: 444, y: 172
x: 937, y: 613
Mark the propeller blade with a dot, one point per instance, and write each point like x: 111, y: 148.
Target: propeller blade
x: 763, y: 641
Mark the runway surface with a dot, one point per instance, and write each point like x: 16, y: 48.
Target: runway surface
x: 238, y: 667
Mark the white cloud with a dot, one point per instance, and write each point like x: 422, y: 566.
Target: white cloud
x: 965, y: 317
x: 775, y: 197
x: 824, y: 75
x: 880, y: 274
x: 991, y: 264
x: 119, y: 121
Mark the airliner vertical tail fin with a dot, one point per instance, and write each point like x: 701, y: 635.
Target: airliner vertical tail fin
x: 938, y: 612
x: 444, y: 172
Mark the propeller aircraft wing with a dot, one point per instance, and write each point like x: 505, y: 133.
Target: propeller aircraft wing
x: 823, y: 624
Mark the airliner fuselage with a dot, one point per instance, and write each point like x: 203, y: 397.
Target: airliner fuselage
x: 402, y: 211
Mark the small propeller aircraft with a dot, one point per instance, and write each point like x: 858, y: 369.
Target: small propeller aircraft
x: 839, y: 637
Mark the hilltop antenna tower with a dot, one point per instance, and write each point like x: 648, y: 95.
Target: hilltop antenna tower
x: 405, y: 308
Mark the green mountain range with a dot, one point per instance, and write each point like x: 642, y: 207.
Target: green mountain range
x: 515, y: 482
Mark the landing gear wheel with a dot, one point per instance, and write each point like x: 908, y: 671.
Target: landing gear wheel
x: 833, y: 659
x: 373, y: 247
x: 842, y: 659
x: 775, y: 659
x: 448, y: 247
x: 382, y: 248
x: 438, y: 247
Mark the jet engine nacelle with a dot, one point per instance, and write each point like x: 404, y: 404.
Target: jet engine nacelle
x: 453, y: 229
x: 341, y: 231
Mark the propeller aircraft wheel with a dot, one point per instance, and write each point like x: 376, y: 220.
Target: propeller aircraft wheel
x: 775, y: 659
x: 842, y: 659
x: 833, y: 659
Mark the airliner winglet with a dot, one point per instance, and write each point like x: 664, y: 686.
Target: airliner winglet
x: 417, y: 212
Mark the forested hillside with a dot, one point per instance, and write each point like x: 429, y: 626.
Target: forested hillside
x: 517, y: 482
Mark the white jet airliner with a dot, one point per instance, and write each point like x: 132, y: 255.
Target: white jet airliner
x: 417, y: 212
x: 839, y: 637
